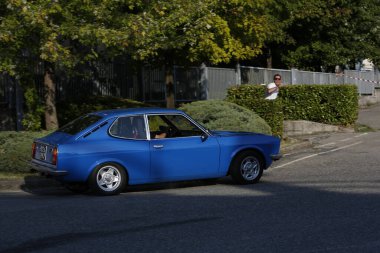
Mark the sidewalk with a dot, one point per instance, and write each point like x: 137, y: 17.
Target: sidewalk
x: 369, y: 116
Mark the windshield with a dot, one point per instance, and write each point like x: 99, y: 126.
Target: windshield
x: 79, y: 124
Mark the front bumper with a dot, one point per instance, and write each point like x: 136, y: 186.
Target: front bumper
x: 276, y: 157
x: 47, y: 169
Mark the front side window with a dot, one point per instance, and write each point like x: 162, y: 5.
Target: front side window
x: 171, y: 126
x: 131, y: 127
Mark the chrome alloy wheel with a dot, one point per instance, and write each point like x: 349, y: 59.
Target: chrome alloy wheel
x: 108, y: 178
x: 250, y: 168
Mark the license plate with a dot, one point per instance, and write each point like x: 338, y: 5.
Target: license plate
x: 42, y: 153
x: 43, y: 156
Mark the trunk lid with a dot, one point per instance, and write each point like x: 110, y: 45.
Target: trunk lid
x: 46, y: 149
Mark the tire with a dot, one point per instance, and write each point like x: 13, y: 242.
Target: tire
x: 108, y: 179
x: 77, y: 187
x: 247, y: 167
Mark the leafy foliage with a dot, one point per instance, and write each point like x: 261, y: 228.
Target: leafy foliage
x: 323, y: 34
x: 222, y: 115
x: 62, y: 34
x: 16, y: 150
x: 32, y: 119
x: 202, y: 30
x: 68, y: 34
x: 329, y: 104
x: 253, y: 98
x: 246, y: 92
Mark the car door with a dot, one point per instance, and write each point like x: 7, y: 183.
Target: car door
x: 130, y: 145
x: 178, y: 151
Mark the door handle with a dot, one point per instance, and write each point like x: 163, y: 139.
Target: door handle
x: 158, y: 146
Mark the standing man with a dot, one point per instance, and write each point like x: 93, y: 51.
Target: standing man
x: 273, y: 88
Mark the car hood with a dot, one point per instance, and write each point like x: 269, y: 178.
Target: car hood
x: 56, y: 138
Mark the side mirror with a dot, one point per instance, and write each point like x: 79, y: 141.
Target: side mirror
x: 204, y: 137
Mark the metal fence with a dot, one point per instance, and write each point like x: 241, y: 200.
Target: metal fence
x: 122, y: 79
x: 365, y: 81
x: 220, y: 79
x: 200, y: 83
x: 11, y: 102
x: 194, y: 83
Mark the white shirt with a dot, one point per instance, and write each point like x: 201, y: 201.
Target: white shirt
x: 274, y: 94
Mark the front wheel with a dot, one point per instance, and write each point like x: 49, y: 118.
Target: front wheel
x: 108, y: 179
x: 247, y: 168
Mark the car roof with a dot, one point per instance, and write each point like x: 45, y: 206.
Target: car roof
x: 133, y: 111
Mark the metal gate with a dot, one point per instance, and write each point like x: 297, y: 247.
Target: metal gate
x: 11, y: 101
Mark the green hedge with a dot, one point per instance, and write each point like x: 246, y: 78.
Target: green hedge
x: 222, y: 115
x: 252, y: 97
x: 329, y: 104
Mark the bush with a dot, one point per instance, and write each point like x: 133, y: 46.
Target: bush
x: 16, y: 150
x: 68, y: 111
x: 269, y: 110
x: 329, y: 104
x: 34, y: 111
x: 252, y: 98
x: 246, y: 91
x: 222, y: 115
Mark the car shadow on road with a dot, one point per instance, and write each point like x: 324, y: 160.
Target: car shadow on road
x: 38, y: 185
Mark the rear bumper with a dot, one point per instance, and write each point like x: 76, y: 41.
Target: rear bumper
x: 47, y: 169
x: 276, y: 157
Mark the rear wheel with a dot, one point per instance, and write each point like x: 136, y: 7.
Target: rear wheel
x: 108, y: 179
x: 247, y: 167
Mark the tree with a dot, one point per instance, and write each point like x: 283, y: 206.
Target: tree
x: 67, y: 34
x: 192, y: 32
x: 61, y: 34
x: 323, y: 34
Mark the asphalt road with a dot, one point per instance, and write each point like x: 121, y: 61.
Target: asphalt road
x: 322, y: 199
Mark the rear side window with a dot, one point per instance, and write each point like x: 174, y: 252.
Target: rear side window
x: 80, y: 124
x: 132, y: 127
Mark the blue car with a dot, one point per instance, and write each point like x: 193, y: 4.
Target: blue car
x: 108, y: 150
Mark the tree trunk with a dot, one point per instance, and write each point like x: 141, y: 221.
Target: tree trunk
x: 269, y: 59
x: 51, y: 120
x: 170, y: 102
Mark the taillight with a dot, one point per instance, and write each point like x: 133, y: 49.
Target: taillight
x: 55, y: 156
x: 34, y: 149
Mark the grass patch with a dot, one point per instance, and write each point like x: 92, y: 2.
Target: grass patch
x: 363, y: 128
x: 17, y: 175
x: 16, y: 150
